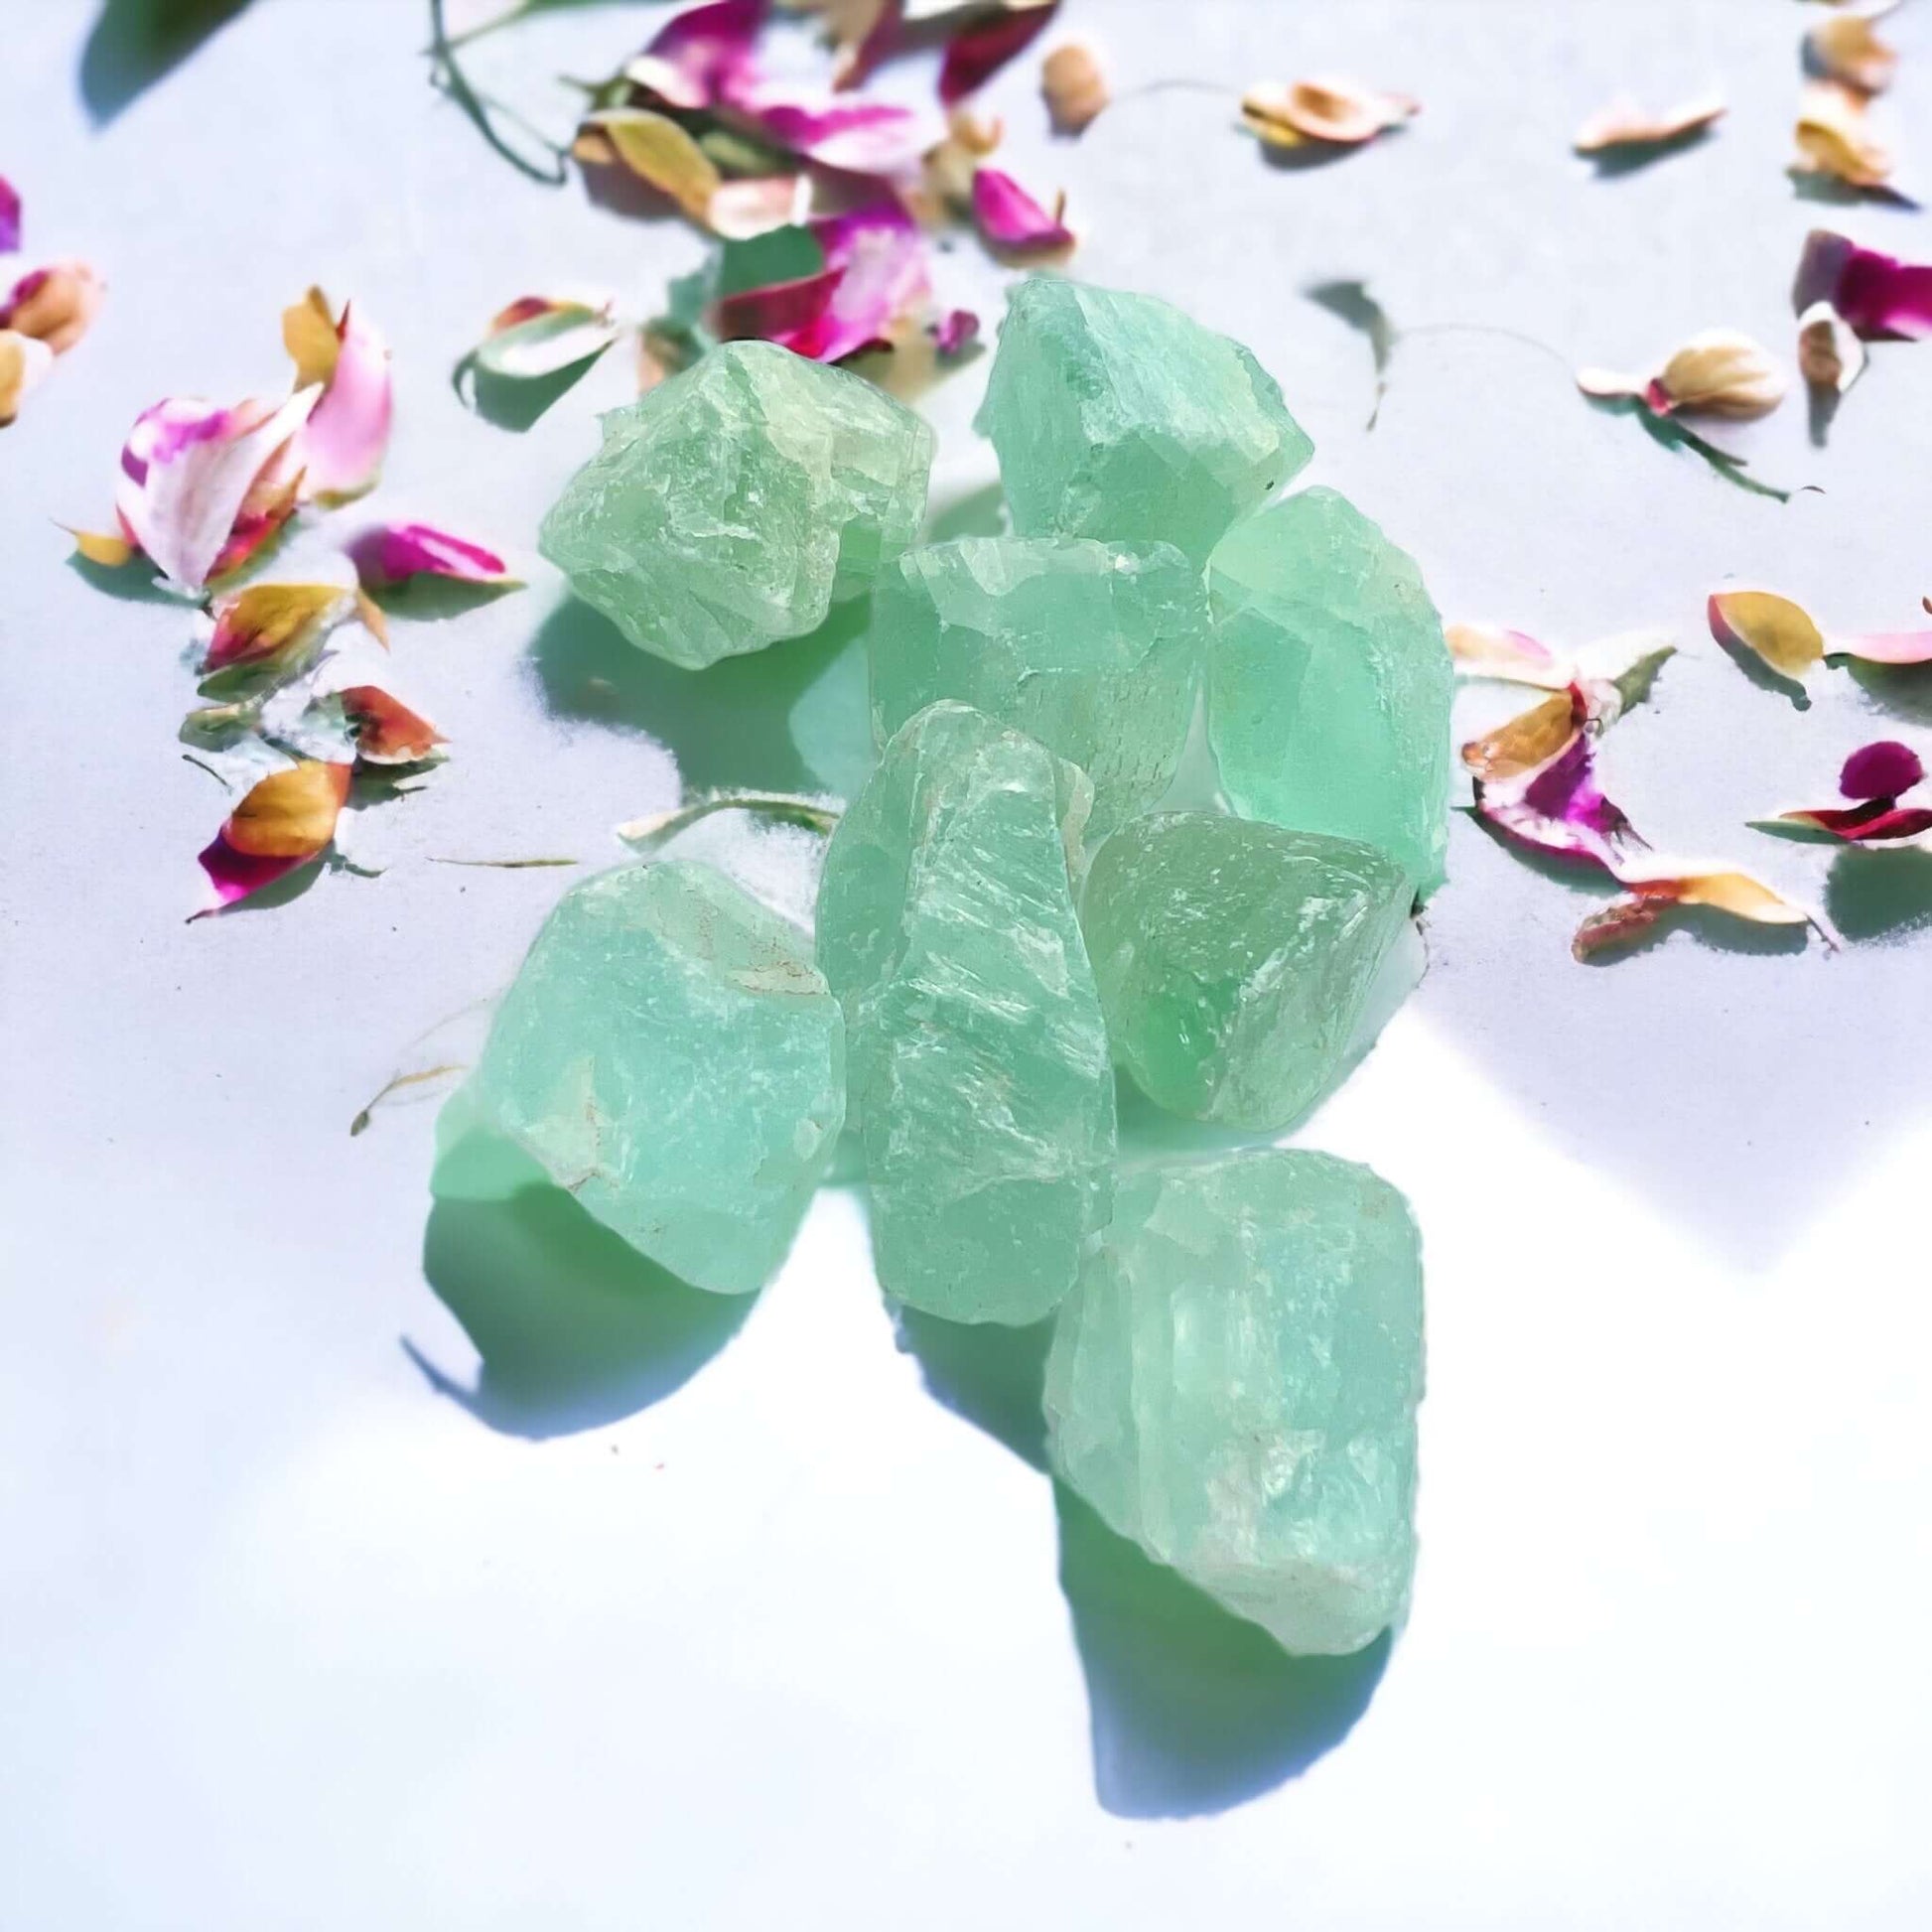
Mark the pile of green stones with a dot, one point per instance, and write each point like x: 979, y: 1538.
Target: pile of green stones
x: 1006, y: 915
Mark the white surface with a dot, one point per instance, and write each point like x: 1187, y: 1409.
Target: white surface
x: 289, y: 1639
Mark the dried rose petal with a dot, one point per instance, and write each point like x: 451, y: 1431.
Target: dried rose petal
x: 1717, y: 373
x: 880, y: 255
x: 740, y: 209
x: 9, y: 217
x: 661, y: 154
x: 1011, y: 219
x: 387, y: 732
x: 285, y: 820
x: 392, y: 553
x: 1833, y: 138
x: 24, y: 362
x: 1830, y: 354
x: 1623, y: 124
x: 980, y: 48
x: 1880, y: 821
x: 701, y: 56
x: 1846, y: 48
x: 111, y: 549
x: 1510, y: 656
x: 1651, y: 893
x: 1881, y: 770
x: 1877, y: 294
x: 1528, y: 741
x: 955, y: 331
x: 540, y: 336
x: 1882, y: 647
x: 777, y: 312
x: 1342, y: 113
x: 340, y: 448
x: 1559, y: 812
x: 275, y: 622
x: 863, y: 33
x: 55, y: 305
x: 1073, y: 87
x: 859, y: 137
x: 1780, y: 634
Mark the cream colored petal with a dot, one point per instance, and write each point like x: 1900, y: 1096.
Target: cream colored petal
x: 1626, y: 124
x: 1830, y: 354
x: 1074, y: 88
x: 1724, y: 374
x: 1846, y: 49
x: 1833, y: 138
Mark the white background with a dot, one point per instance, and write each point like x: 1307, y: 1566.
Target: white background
x: 644, y: 1609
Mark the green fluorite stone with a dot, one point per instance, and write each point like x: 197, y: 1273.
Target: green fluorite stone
x: 733, y: 504
x: 670, y: 1055
x: 980, y: 1076
x: 1233, y: 1384
x: 1117, y: 416
x: 1090, y: 647
x: 1234, y: 959
x: 1328, y: 683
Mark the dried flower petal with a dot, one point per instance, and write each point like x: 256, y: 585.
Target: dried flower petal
x: 1339, y: 112
x: 1879, y: 822
x: 56, y: 305
x: 1011, y: 220
x: 1527, y: 741
x: 701, y: 56
x: 9, y: 217
x: 537, y: 337
x: 859, y: 137
x: 199, y: 485
x: 1830, y: 354
x: 1780, y: 634
x: 863, y: 33
x: 1615, y: 925
x: 1722, y: 374
x: 392, y: 553
x: 661, y: 154
x: 1882, y: 647
x: 275, y: 622
x: 1881, y: 770
x: 880, y: 255
x: 1074, y: 87
x: 340, y: 448
x: 1623, y: 124
x: 1877, y: 294
x: 111, y: 549
x: 287, y: 819
x: 955, y: 331
x: 1736, y: 893
x: 987, y: 42
x: 741, y: 210
x: 24, y: 362
x: 1846, y: 48
x: 1833, y: 138
x: 387, y: 732
x: 1510, y: 656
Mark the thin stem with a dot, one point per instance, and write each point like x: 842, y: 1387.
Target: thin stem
x: 647, y: 835
x: 480, y: 109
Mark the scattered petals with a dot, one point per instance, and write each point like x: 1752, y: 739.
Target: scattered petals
x: 859, y: 137
x: 1877, y: 294
x: 1881, y: 770
x: 387, y: 732
x: 9, y: 217
x: 1525, y: 741
x: 702, y: 55
x: 980, y: 48
x: 24, y: 362
x: 1340, y: 113
x: 392, y: 553
x: 1623, y: 124
x: 1846, y: 48
x: 879, y: 255
x: 1011, y: 220
x: 538, y: 336
x: 1830, y: 353
x: 340, y: 448
x: 1559, y: 812
x: 200, y: 487
x: 1735, y: 893
x: 1717, y: 373
x: 1779, y: 634
x: 1073, y: 87
x: 55, y: 306
x: 955, y: 331
x: 1879, y: 822
x: 1510, y: 656
x: 287, y: 819
x: 1834, y: 139
x: 280, y: 623
x: 662, y: 154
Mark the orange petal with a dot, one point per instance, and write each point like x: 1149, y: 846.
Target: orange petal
x: 1073, y: 87
x: 387, y: 732
x: 273, y: 620
x: 661, y: 153
x: 1340, y: 112
x: 109, y: 549
x: 1830, y: 353
x: 1833, y: 138
x: 24, y: 362
x: 1623, y: 124
x: 1525, y: 741
x: 1724, y: 374
x: 290, y: 814
x: 1846, y: 49
x: 1773, y: 629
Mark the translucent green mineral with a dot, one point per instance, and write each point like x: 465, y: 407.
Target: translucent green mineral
x: 1234, y: 959
x: 1117, y: 416
x: 980, y: 1076
x: 1233, y: 1384
x: 732, y: 506
x: 670, y: 1055
x: 1328, y: 682
x: 1093, y: 649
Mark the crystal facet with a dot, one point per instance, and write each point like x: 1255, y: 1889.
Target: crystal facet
x: 1328, y: 683
x: 980, y: 1075
x: 1093, y: 649
x: 670, y: 1055
x: 1234, y: 959
x: 732, y: 506
x: 1117, y: 416
x: 1233, y: 1384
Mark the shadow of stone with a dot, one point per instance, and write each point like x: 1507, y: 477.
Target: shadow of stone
x: 1878, y: 896
x: 1194, y: 1710
x: 575, y: 1328
x: 980, y: 513
x: 135, y: 42
x: 988, y: 1375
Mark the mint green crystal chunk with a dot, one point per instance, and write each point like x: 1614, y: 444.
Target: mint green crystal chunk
x: 980, y: 1075
x: 1233, y: 1385
x: 1093, y: 649
x: 1117, y: 416
x: 670, y: 1055
x: 1328, y: 683
x: 735, y: 503
x: 1234, y: 959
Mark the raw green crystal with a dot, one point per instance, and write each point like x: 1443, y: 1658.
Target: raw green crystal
x: 1233, y: 1384
x: 733, y: 504
x: 670, y: 1055
x: 1117, y: 416
x: 1328, y: 682
x: 1234, y: 959
x: 979, y: 1067
x: 1093, y: 649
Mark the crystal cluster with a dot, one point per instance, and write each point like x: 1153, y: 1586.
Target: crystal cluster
x: 1006, y: 916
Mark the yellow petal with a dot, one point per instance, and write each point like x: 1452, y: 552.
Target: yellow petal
x: 657, y: 150
x: 1846, y: 48
x: 109, y: 549
x: 1528, y: 741
x: 1780, y: 632
x: 309, y: 334
x: 24, y: 360
x: 1340, y: 112
x: 1834, y: 140
x: 1722, y: 374
x: 1739, y: 895
x: 1074, y: 88
x: 290, y: 814
x: 58, y: 306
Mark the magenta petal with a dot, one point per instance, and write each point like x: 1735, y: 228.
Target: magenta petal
x: 341, y: 450
x: 777, y: 313
x: 1877, y: 294
x: 393, y: 552
x: 1009, y: 218
x: 1878, y: 820
x: 9, y: 217
x: 984, y: 46
x: 859, y: 137
x: 880, y: 254
x: 1560, y: 812
x: 704, y: 54
x: 235, y: 875
x: 955, y: 330
x: 1881, y: 770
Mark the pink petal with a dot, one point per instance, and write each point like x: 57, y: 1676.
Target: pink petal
x: 9, y: 217
x: 1876, y: 820
x: 780, y: 312
x: 955, y: 330
x: 391, y: 553
x: 880, y: 255
x: 984, y: 46
x: 1009, y: 218
x: 700, y: 57
x: 1560, y: 812
x: 859, y: 137
x: 188, y: 470
x: 1884, y: 646
x: 1881, y: 770
x: 236, y: 875
x: 1877, y: 294
x: 340, y: 449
